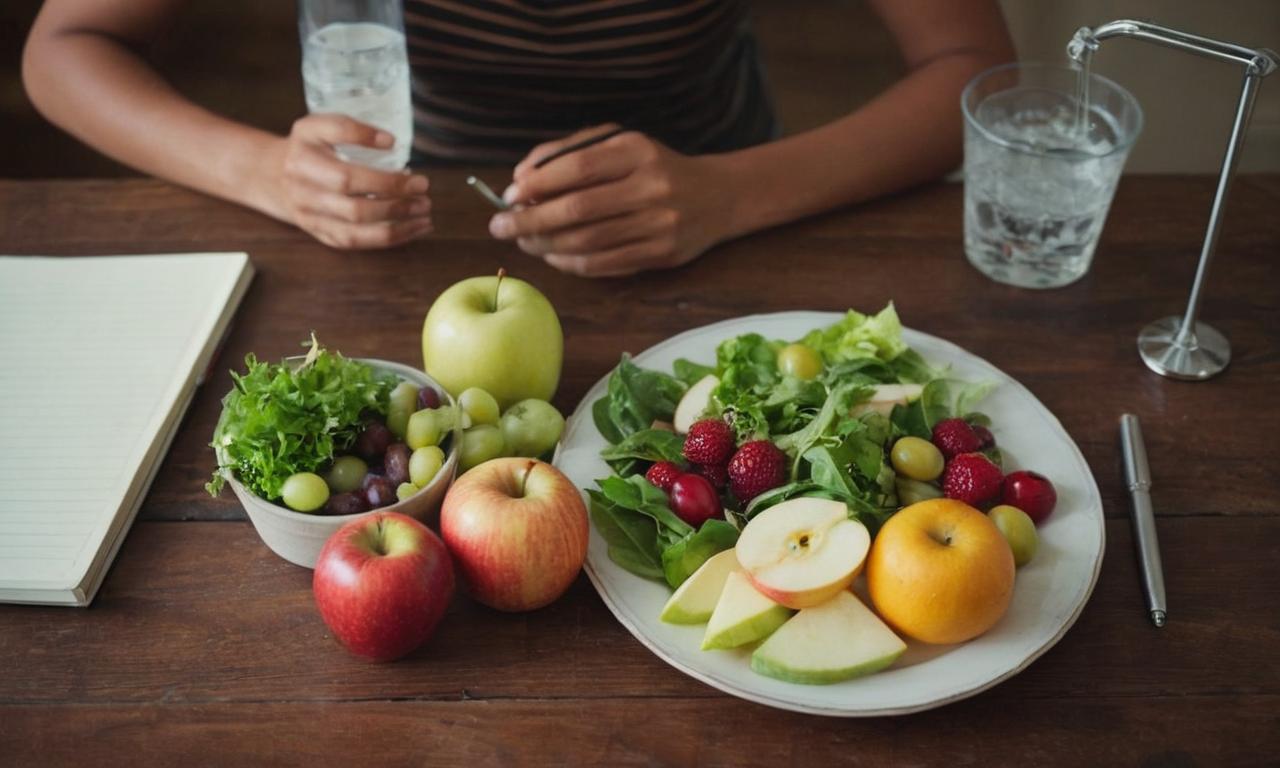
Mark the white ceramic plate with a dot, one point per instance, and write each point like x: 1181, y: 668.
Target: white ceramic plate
x: 1050, y: 591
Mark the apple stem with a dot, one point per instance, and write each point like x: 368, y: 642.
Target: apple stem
x: 502, y: 272
x: 524, y: 477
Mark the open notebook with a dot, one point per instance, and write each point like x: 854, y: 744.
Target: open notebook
x: 99, y: 359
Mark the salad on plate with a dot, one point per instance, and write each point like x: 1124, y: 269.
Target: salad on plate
x: 761, y: 484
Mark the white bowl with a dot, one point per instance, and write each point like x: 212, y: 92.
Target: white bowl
x: 298, y: 536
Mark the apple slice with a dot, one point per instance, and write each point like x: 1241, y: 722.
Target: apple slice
x: 694, y: 403
x: 835, y: 641
x: 803, y: 551
x: 886, y: 396
x: 742, y: 615
x: 695, y: 599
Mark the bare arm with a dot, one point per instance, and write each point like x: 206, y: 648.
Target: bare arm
x: 909, y: 134
x: 84, y: 69
x: 630, y: 204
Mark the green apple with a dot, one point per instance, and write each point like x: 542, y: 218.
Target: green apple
x: 742, y: 615
x: 694, y: 403
x: 479, y: 444
x: 497, y: 333
x: 531, y: 428
x: 695, y: 600
x: 835, y: 641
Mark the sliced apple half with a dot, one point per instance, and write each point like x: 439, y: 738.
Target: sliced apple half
x: 694, y: 601
x: 742, y: 615
x: 886, y: 396
x: 694, y: 403
x: 838, y: 640
x: 803, y: 551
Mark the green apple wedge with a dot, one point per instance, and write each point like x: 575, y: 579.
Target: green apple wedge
x: 742, y: 615
x: 496, y: 333
x: 694, y: 601
x: 837, y: 640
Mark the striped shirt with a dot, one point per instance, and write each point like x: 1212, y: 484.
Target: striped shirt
x: 493, y: 78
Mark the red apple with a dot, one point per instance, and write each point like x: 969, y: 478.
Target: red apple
x: 517, y: 529
x: 382, y: 583
x: 1030, y: 492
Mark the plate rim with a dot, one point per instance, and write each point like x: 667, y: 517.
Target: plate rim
x: 582, y: 411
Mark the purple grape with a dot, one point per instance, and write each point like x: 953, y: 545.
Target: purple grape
x: 396, y: 464
x: 346, y: 503
x: 373, y: 441
x: 428, y: 397
x: 378, y: 492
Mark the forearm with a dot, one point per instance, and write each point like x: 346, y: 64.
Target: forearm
x: 102, y: 92
x: 909, y: 134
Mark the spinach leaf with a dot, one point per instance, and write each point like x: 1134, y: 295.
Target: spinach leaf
x: 632, y: 452
x: 910, y: 367
x: 604, y: 421
x: 634, y: 519
x: 636, y: 398
x: 690, y: 372
x: 681, y: 559
x: 632, y: 537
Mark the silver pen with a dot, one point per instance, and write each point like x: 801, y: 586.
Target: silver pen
x: 1137, y: 475
x: 487, y: 193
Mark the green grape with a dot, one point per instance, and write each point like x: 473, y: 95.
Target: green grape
x: 531, y: 428
x: 912, y: 491
x: 479, y: 406
x: 304, y: 492
x: 1018, y: 530
x: 405, y: 490
x: 423, y: 429
x: 916, y: 458
x: 398, y: 420
x: 405, y: 396
x: 346, y: 474
x: 479, y: 444
x: 800, y: 361
x: 424, y: 464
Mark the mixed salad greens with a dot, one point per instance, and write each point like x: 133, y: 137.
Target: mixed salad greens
x: 284, y: 418
x: 834, y: 449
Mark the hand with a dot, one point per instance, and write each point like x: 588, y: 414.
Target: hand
x: 615, y: 208
x: 343, y: 205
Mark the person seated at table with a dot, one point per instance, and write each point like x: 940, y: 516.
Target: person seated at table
x: 701, y: 163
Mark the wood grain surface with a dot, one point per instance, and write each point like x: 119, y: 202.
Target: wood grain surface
x: 203, y: 647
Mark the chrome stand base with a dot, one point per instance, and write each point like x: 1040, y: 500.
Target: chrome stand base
x: 1204, y: 354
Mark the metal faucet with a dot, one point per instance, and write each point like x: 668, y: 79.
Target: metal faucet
x: 1183, y: 348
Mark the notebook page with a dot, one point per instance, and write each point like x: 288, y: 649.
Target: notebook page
x: 94, y: 353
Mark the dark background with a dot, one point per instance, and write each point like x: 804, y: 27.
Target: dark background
x: 241, y: 58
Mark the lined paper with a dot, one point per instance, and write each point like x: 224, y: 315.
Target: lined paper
x: 98, y: 359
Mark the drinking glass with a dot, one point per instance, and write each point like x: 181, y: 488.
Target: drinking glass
x: 1043, y: 150
x: 354, y: 63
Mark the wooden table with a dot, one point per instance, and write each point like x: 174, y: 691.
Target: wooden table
x: 204, y: 647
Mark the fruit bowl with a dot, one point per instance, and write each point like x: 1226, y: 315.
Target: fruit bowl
x: 298, y: 536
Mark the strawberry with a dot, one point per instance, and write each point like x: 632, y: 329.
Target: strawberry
x: 954, y: 437
x: 758, y: 466
x: 971, y: 478
x: 716, y: 473
x: 663, y: 474
x: 709, y: 441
